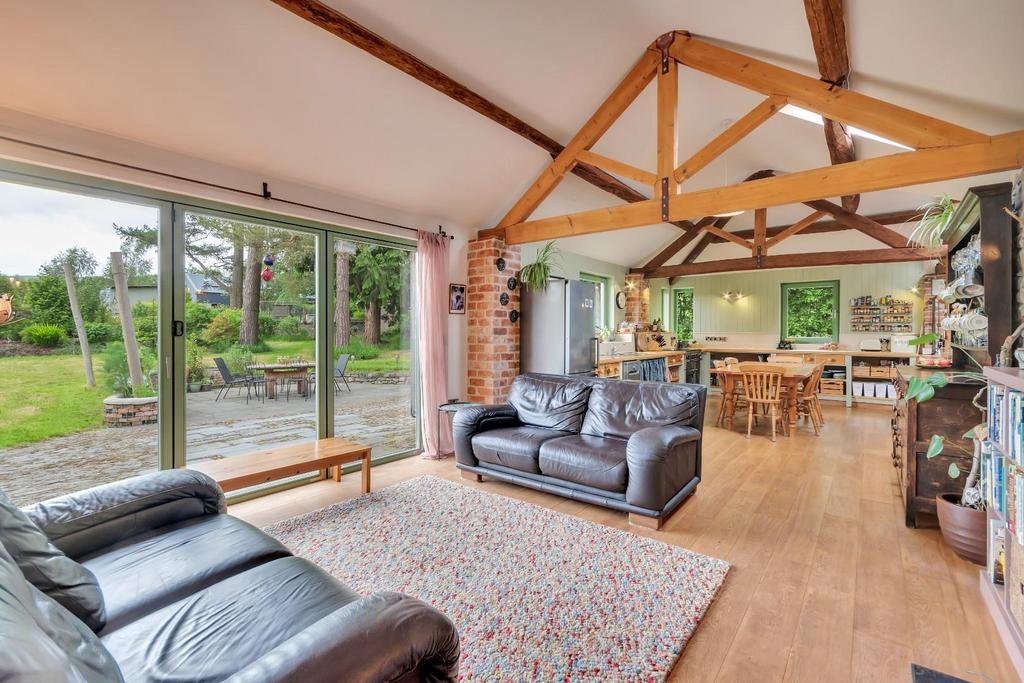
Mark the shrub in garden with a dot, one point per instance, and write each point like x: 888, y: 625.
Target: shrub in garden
x: 224, y: 326
x: 144, y: 317
x: 102, y: 333
x: 43, y: 334
x: 116, y: 376
x: 266, y: 326
x: 290, y: 328
x: 198, y: 316
x: 195, y: 366
x: 238, y: 359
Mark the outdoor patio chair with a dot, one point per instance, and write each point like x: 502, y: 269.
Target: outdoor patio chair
x: 250, y: 382
x: 339, y: 372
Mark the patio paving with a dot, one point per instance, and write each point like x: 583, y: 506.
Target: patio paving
x: 376, y: 415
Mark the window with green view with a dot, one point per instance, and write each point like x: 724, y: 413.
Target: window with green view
x: 682, y: 313
x: 810, y: 311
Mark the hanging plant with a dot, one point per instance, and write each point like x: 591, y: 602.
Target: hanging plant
x: 536, y: 275
x: 931, y: 227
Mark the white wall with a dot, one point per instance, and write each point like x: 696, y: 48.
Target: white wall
x: 756, y: 319
x: 48, y: 133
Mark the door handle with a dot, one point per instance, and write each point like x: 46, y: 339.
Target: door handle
x: 596, y: 350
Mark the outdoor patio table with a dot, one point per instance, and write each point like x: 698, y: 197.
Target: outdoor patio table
x: 282, y: 372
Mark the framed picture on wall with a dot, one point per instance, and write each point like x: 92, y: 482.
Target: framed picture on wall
x: 457, y: 299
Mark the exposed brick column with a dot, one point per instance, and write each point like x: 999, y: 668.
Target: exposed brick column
x: 493, y: 339
x: 638, y: 299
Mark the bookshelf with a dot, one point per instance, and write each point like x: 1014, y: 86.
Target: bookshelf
x: 1002, y: 487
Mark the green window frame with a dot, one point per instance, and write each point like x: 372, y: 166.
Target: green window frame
x: 604, y: 288
x: 681, y: 307
x: 799, y: 322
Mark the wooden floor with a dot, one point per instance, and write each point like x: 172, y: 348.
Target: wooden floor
x: 827, y: 585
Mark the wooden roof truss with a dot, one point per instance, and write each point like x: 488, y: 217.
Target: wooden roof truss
x: 940, y: 151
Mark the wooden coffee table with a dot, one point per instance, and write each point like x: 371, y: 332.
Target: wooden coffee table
x: 253, y: 469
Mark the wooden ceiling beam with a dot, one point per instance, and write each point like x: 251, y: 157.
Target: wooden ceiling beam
x: 797, y: 227
x: 827, y: 258
x: 760, y: 245
x: 667, y: 135
x: 342, y: 27
x: 618, y: 168
x: 828, y: 35
x: 621, y: 97
x: 885, y: 235
x: 729, y: 236
x: 729, y: 137
x: 887, y: 218
x: 698, y: 249
x: 882, y: 118
x: 1000, y: 153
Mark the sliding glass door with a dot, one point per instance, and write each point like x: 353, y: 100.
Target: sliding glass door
x: 371, y: 385
x: 213, y: 334
x: 250, y: 335
x: 80, y: 311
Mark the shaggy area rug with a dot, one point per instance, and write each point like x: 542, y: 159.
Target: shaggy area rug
x: 535, y: 594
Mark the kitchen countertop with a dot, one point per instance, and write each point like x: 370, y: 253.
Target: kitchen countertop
x: 835, y: 352
x: 910, y: 371
x: 638, y: 355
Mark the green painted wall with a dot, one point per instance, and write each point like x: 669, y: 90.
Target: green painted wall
x: 759, y: 312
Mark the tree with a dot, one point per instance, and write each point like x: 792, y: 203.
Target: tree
x: 206, y: 240
x: 343, y: 252
x: 377, y: 278
x: 81, y: 260
x: 249, y: 331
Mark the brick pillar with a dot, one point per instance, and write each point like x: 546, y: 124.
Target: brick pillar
x: 638, y: 299
x: 493, y: 339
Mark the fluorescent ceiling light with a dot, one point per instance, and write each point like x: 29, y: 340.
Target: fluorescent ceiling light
x: 797, y: 112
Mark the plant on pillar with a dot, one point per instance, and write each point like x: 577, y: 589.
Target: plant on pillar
x: 536, y: 275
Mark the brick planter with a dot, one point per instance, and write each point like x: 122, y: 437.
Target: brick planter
x: 129, y: 412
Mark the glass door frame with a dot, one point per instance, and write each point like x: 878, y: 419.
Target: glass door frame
x: 171, y: 293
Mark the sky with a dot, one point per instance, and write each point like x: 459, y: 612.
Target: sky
x: 36, y: 223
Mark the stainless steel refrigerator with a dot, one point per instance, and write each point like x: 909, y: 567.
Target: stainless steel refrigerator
x: 558, y: 334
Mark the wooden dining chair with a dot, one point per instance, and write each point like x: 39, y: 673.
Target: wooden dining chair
x: 807, y: 403
x: 762, y: 386
x: 737, y: 395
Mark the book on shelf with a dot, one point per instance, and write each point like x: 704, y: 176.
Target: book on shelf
x: 996, y: 566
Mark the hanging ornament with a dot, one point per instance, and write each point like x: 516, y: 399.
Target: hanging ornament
x: 267, y: 274
x: 268, y: 260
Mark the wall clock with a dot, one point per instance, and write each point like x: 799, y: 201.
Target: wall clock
x: 620, y: 300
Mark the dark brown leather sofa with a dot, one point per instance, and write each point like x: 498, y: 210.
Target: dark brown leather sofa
x: 148, y: 580
x: 631, y: 446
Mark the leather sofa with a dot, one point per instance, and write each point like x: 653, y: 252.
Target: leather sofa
x: 631, y: 446
x: 174, y: 589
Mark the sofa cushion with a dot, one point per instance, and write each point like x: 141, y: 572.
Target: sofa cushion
x: 221, y: 629
x: 550, y: 402
x: 513, y: 447
x: 589, y: 460
x: 49, y: 569
x: 618, y: 408
x: 151, y: 570
x: 41, y: 640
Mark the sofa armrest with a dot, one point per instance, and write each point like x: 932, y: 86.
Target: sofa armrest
x: 382, y: 637
x: 475, y: 419
x: 654, y: 457
x: 82, y: 522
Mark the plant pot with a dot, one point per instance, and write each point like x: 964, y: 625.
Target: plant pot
x: 194, y: 387
x: 963, y: 529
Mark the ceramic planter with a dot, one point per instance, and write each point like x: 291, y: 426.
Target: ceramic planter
x: 963, y: 529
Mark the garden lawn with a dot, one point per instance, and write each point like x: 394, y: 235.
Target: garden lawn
x: 46, y: 396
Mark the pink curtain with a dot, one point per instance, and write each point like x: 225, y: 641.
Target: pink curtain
x: 432, y: 333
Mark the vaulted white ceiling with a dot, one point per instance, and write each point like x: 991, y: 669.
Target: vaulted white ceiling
x: 245, y: 83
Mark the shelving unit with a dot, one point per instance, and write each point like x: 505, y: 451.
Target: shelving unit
x: 1002, y: 484
x: 891, y: 318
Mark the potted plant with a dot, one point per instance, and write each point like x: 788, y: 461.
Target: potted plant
x: 962, y: 518
x: 536, y: 275
x: 195, y: 369
x: 931, y: 226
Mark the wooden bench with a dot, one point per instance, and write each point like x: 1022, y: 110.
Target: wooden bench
x: 253, y: 469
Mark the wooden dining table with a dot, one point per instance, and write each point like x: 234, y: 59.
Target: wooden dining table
x: 792, y: 377
x: 282, y: 372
